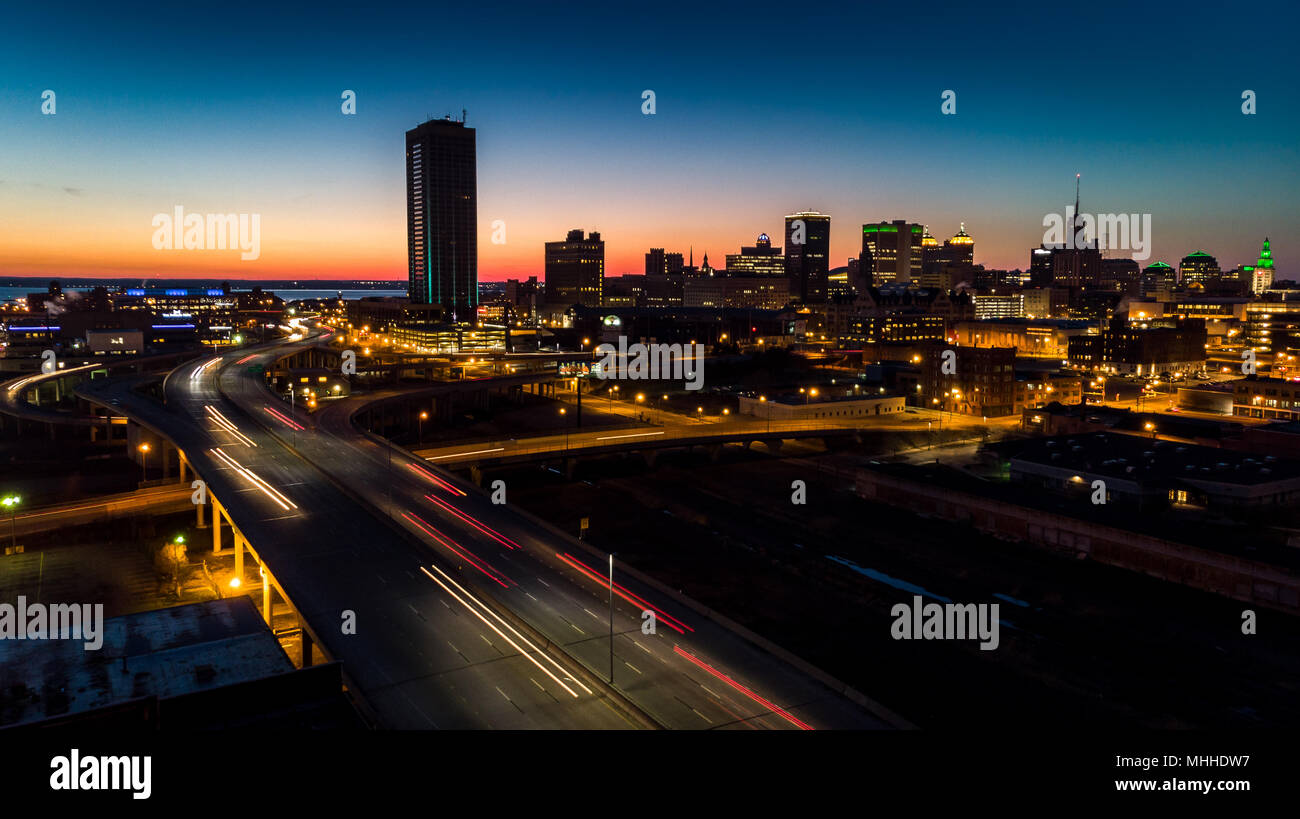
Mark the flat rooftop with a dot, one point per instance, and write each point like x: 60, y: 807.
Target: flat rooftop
x: 163, y: 653
x: 1131, y: 457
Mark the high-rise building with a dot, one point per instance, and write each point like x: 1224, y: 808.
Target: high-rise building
x: 1121, y: 275
x: 807, y: 255
x: 1076, y: 264
x: 931, y: 256
x: 960, y: 248
x: 1261, y: 277
x: 1040, y: 267
x: 759, y: 260
x: 575, y: 270
x: 1156, y: 277
x: 659, y: 263
x: 1198, y: 267
x: 442, y: 217
x: 894, y: 251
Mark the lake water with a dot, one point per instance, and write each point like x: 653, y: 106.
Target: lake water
x: 8, y: 294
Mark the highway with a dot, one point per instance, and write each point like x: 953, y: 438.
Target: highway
x: 691, y: 674
x: 166, y: 499
x: 424, y: 654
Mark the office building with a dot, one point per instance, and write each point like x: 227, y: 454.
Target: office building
x: 442, y: 217
x: 807, y: 255
x: 575, y: 270
x: 659, y: 263
x: 894, y: 251
x: 1198, y: 268
x: 759, y: 260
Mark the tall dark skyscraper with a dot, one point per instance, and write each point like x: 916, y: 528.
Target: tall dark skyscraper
x: 442, y: 217
x: 807, y: 255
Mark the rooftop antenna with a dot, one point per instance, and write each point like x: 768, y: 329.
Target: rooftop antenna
x: 462, y: 116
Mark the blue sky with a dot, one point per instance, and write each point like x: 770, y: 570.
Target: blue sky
x: 762, y: 109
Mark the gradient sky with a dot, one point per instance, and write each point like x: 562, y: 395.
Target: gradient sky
x: 762, y: 110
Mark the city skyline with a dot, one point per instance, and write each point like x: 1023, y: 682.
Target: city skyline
x: 721, y: 160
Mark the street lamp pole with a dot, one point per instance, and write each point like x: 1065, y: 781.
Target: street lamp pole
x: 12, y: 502
x: 611, y: 618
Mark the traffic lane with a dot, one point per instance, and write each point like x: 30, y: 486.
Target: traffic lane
x: 687, y: 694
x: 689, y: 664
x: 402, y: 651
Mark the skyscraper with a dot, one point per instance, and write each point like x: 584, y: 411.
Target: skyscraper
x: 1076, y: 264
x: 1261, y: 277
x: 575, y: 270
x: 442, y: 217
x: 1198, y: 267
x: 894, y: 250
x: 807, y: 255
x: 960, y: 248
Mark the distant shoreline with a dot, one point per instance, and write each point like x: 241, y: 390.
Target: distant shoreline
x: 41, y: 282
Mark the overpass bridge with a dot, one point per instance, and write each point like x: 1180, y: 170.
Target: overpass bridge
x: 415, y: 657
x: 646, y: 440
x: 458, y: 623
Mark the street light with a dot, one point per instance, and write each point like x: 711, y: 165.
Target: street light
x: 424, y: 416
x: 11, y: 503
x: 564, y: 412
x: 611, y: 618
x: 144, y: 462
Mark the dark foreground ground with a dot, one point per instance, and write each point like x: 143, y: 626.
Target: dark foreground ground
x: 1084, y: 645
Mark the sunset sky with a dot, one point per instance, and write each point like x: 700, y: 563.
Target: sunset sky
x: 762, y: 110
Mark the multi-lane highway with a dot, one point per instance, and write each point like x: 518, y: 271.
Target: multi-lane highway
x: 447, y: 614
x: 424, y: 654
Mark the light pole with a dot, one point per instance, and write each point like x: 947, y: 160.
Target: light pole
x: 11, y: 503
x: 611, y: 618
x: 564, y: 412
x: 424, y: 416
x: 144, y: 463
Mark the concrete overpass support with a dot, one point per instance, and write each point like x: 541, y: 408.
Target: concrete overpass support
x: 239, y: 558
x: 650, y: 456
x: 715, y: 452
x: 268, y: 597
x: 216, y: 527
